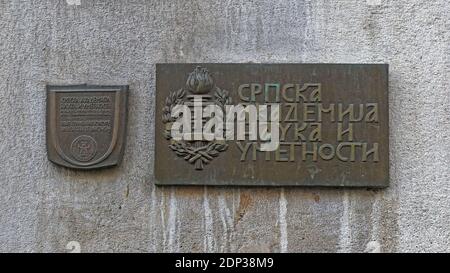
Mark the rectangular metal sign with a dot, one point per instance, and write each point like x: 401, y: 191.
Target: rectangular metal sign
x: 272, y: 125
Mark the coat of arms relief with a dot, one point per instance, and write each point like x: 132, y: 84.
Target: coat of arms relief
x: 199, y: 86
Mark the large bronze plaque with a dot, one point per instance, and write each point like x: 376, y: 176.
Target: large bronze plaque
x: 333, y: 128
x: 86, y: 125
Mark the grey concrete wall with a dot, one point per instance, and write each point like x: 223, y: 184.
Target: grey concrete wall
x: 43, y: 207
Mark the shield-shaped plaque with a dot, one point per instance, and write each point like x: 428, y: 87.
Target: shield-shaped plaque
x: 86, y: 125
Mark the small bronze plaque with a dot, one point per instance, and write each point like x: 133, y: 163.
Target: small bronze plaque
x: 86, y: 125
x: 328, y: 125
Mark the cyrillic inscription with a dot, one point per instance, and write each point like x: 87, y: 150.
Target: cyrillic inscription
x: 332, y: 125
x: 86, y: 125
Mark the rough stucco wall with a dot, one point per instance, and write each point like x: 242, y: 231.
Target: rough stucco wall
x: 43, y: 207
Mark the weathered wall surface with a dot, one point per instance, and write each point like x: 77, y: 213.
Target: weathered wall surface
x: 43, y: 207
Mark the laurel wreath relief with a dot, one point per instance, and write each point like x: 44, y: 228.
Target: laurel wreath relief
x: 194, y: 152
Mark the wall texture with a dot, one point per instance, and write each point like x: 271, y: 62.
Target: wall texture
x: 44, y: 207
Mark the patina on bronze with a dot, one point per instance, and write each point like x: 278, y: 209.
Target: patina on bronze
x: 86, y: 125
x: 333, y: 125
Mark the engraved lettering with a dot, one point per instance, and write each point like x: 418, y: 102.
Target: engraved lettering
x: 267, y: 92
x: 366, y: 153
x: 306, y: 151
x: 372, y: 115
x: 341, y: 132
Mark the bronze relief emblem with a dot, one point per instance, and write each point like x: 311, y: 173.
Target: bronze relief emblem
x: 86, y: 125
x: 199, y: 85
